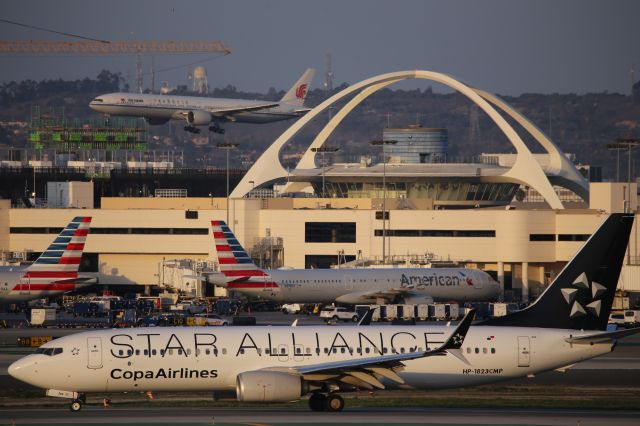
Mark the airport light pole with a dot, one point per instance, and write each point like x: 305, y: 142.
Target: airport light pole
x: 322, y: 150
x: 384, y: 143
x: 227, y: 147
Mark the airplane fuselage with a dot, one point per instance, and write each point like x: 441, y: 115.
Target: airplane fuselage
x: 162, y: 108
x: 205, y: 358
x: 353, y: 286
x: 15, y: 286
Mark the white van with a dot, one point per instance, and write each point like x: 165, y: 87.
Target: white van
x: 631, y: 318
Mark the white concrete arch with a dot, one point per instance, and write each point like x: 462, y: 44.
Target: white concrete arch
x: 267, y: 169
x: 561, y: 169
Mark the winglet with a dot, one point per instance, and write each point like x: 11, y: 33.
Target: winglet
x: 456, y: 339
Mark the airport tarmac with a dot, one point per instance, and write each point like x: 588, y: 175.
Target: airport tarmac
x: 378, y: 416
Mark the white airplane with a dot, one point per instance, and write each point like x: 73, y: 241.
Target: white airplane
x: 54, y: 272
x: 349, y: 286
x: 564, y: 326
x: 203, y: 111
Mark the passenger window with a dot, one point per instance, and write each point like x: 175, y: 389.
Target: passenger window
x: 197, y: 352
x: 335, y: 350
x: 326, y: 350
x: 493, y: 350
x: 170, y: 351
x: 298, y: 350
x: 384, y: 350
x: 129, y: 352
x: 367, y: 350
x: 484, y: 350
x: 215, y: 351
x: 318, y: 351
x: 188, y: 351
x: 224, y: 351
x: 241, y: 351
x: 137, y: 352
x: 207, y: 351
x: 477, y: 350
x: 153, y: 352
x: 282, y: 351
x: 146, y: 352
x: 120, y: 352
x: 266, y: 351
x: 401, y: 350
x: 162, y: 351
x: 468, y: 350
x: 342, y: 350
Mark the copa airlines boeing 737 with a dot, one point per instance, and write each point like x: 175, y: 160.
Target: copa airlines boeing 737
x: 202, y: 111
x: 565, y: 325
x: 349, y: 286
x: 54, y: 272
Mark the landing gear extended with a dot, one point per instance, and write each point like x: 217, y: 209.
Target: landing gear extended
x: 76, y: 404
x: 321, y: 402
x: 216, y: 129
x: 192, y: 129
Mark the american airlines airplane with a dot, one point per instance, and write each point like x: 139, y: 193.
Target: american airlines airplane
x: 203, y: 111
x: 349, y: 286
x: 54, y: 272
x: 565, y: 325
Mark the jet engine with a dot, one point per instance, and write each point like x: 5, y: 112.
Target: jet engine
x: 417, y: 299
x: 198, y: 117
x: 269, y: 386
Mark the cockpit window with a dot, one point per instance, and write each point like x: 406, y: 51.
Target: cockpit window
x: 98, y: 100
x: 49, y: 351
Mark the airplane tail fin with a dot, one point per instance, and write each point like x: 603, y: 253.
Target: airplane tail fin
x: 296, y: 95
x: 582, y: 294
x: 61, y: 260
x: 235, y: 263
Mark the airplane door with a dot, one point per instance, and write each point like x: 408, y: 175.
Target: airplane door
x: 94, y: 349
x: 283, y: 353
x: 348, y: 282
x: 524, y: 351
x: 25, y: 288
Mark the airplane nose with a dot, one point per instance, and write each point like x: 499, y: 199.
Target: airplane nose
x: 21, y: 369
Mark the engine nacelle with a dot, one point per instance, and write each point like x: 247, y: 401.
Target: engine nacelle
x: 198, y: 117
x: 417, y: 299
x: 269, y: 386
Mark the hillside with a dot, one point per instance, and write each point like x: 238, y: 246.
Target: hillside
x: 580, y: 124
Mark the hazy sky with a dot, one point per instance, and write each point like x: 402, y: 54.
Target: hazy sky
x: 504, y: 46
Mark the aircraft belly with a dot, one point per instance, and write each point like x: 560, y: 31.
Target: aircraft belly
x: 259, y: 118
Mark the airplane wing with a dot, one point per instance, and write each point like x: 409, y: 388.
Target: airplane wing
x: 224, y: 112
x: 372, y: 296
x: 366, y: 372
x: 602, y: 337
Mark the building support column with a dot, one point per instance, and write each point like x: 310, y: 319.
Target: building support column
x: 501, y: 277
x: 525, y: 282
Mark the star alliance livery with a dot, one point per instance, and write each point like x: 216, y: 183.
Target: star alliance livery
x: 349, y: 286
x: 565, y: 325
x: 54, y: 272
x: 203, y: 111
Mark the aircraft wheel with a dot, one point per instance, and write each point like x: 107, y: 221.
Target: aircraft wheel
x: 317, y: 402
x: 355, y: 318
x: 76, y: 405
x: 333, y: 403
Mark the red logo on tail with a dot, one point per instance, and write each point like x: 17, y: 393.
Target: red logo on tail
x: 301, y: 91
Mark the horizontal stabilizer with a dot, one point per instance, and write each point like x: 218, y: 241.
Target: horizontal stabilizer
x: 602, y: 337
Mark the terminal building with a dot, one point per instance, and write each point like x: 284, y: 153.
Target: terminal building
x: 413, y: 207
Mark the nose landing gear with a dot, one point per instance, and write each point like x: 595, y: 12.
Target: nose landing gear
x: 75, y: 406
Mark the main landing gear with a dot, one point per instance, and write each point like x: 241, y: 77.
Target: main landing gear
x: 192, y: 129
x: 216, y: 129
x: 321, y: 402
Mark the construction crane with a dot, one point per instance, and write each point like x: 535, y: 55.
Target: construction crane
x: 139, y: 48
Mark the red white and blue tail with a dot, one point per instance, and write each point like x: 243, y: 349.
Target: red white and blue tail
x: 61, y: 260
x: 234, y: 261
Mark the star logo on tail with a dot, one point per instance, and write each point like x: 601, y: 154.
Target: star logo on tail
x: 592, y: 290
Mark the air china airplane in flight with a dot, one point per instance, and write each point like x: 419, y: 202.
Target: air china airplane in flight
x: 54, y: 272
x: 203, y: 111
x: 349, y: 286
x: 565, y: 325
